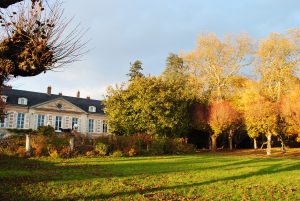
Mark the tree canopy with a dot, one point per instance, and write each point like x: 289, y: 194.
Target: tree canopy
x: 205, y: 89
x: 148, y: 105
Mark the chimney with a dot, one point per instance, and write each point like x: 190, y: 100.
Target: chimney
x: 88, y: 97
x: 60, y: 93
x: 78, y: 94
x: 49, y: 90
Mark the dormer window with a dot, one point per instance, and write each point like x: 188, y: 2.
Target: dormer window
x: 92, y: 109
x: 22, y: 101
x: 4, y: 99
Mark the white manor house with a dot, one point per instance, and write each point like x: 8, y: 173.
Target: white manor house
x: 29, y: 110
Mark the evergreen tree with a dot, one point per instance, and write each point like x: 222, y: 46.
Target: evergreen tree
x: 135, y: 70
x: 175, y: 67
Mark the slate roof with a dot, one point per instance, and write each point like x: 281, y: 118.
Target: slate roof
x: 35, y: 98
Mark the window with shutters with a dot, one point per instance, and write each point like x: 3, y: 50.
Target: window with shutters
x: 3, y: 123
x: 40, y: 120
x: 104, y: 126
x: 91, y: 125
x: 75, y: 123
x: 20, y: 120
x: 58, y: 123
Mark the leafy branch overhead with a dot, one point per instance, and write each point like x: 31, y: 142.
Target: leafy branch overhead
x: 36, y: 39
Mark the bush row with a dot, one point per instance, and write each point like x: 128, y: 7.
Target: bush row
x: 57, y: 146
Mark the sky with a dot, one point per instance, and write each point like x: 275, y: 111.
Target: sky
x: 122, y: 31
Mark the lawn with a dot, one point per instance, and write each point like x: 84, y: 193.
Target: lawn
x: 204, y: 176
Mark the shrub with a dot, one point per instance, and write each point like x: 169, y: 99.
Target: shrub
x: 178, y: 146
x: 53, y: 153
x: 122, y: 143
x: 10, y: 146
x: 131, y: 152
x: 21, y: 152
x: 65, y: 152
x: 58, y: 141
x: 157, y: 147
x: 90, y: 153
x: 101, y: 148
x: 46, y: 130
x: 141, y: 142
x: 19, y: 131
x: 83, y: 149
x: 117, y: 153
x: 58, y: 146
x: 39, y: 145
x: 161, y: 146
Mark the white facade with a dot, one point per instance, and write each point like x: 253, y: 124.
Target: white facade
x: 58, y: 113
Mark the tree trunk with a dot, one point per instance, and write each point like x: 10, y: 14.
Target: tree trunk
x: 269, y: 138
x: 213, y: 143
x: 255, y: 143
x: 230, y: 143
x: 185, y: 140
x: 28, y: 145
x: 72, y: 139
x: 282, y: 145
x: 230, y: 139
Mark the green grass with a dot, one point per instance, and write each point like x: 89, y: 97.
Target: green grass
x: 192, y: 177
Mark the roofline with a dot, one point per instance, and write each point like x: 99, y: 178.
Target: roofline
x: 49, y: 94
x: 58, y: 98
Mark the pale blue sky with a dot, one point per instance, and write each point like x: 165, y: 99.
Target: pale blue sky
x: 121, y: 31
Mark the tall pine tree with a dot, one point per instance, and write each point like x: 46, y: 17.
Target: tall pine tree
x: 135, y: 70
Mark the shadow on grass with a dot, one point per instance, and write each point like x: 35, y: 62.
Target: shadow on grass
x: 273, y: 169
x: 40, y: 171
x: 71, y: 170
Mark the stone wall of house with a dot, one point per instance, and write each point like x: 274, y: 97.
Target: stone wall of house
x: 99, y: 125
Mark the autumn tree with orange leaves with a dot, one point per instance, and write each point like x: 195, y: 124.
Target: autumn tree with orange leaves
x: 223, y: 118
x: 290, y: 112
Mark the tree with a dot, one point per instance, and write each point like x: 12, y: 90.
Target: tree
x: 148, y: 105
x: 214, y: 62
x: 135, y: 70
x: 290, y: 112
x: 261, y: 115
x: 175, y: 67
x: 223, y: 117
x: 277, y: 63
x: 36, y: 40
x: 34, y: 43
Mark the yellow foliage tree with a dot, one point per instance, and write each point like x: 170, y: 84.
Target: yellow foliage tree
x: 277, y: 61
x: 290, y: 112
x: 260, y: 115
x: 215, y: 62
